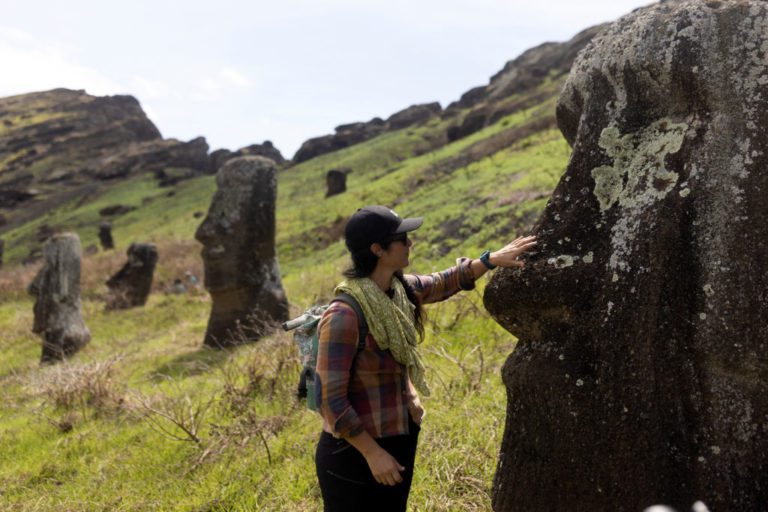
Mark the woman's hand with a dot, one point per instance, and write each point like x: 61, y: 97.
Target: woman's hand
x: 416, y: 410
x: 507, y: 255
x: 385, y: 468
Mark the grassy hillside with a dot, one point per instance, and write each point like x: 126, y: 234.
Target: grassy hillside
x: 145, y: 419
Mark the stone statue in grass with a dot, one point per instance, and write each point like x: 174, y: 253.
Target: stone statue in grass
x: 131, y: 285
x: 241, y: 271
x: 640, y: 372
x: 56, y: 288
x: 105, y: 235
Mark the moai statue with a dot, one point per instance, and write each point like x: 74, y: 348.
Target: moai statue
x: 639, y: 375
x: 105, y: 235
x: 56, y: 288
x: 336, y: 180
x: 131, y: 285
x: 241, y: 271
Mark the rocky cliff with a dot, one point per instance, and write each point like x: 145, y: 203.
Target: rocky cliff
x: 60, y: 144
x: 514, y: 88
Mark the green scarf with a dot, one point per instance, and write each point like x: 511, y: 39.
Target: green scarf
x: 391, y: 322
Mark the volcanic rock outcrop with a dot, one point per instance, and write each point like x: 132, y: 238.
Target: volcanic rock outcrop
x: 345, y: 135
x: 56, y: 288
x: 241, y: 271
x: 640, y: 372
x: 60, y: 145
x: 131, y: 285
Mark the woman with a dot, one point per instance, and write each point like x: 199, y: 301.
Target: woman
x: 369, y: 396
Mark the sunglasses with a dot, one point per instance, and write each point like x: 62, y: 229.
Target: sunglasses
x: 400, y: 237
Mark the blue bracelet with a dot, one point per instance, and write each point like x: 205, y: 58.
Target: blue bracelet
x: 485, y: 258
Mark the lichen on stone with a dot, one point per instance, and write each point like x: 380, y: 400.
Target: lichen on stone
x: 561, y: 261
x: 637, y: 178
x: 638, y: 174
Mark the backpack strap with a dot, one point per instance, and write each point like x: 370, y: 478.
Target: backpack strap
x: 362, y: 325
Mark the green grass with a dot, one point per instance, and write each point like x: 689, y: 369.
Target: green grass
x: 77, y: 437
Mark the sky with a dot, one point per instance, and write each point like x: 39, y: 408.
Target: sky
x: 240, y: 72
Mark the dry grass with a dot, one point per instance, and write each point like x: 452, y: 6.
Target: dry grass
x: 14, y: 281
x: 78, y: 392
x: 176, y: 258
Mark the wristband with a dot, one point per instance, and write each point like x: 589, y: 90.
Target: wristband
x: 485, y: 258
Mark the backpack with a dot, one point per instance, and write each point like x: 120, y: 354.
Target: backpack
x: 305, y: 336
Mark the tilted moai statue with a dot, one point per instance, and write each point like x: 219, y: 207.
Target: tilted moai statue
x: 241, y: 271
x: 640, y: 372
x: 131, y: 285
x: 336, y: 181
x: 105, y: 235
x: 56, y: 288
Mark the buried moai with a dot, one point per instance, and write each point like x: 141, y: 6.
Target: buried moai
x: 241, y: 271
x: 336, y: 181
x: 105, y: 235
x: 131, y: 285
x: 640, y: 372
x: 56, y: 288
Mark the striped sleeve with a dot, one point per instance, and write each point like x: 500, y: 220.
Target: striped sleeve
x: 441, y: 285
x: 336, y: 350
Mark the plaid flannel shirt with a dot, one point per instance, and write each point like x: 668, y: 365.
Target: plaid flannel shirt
x: 370, y: 390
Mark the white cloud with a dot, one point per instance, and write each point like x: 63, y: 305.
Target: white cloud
x: 150, y: 89
x: 235, y: 78
x: 219, y: 85
x: 38, y: 64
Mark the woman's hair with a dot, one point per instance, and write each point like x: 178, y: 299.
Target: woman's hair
x: 363, y: 265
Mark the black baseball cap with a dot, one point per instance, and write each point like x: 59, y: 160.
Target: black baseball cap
x: 374, y: 224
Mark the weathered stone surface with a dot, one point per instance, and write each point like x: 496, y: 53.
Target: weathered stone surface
x: 131, y: 285
x: 241, y: 271
x: 336, y: 181
x: 640, y: 372
x: 105, y: 235
x: 58, y: 311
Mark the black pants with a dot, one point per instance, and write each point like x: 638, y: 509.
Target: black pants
x: 346, y: 480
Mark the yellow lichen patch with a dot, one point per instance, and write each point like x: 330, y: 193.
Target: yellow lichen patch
x: 638, y: 174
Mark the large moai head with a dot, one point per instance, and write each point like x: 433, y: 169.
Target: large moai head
x: 241, y: 270
x: 58, y: 312
x: 640, y: 372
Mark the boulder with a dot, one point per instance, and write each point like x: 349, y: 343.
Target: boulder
x: 58, y: 312
x: 131, y: 285
x: 639, y: 374
x: 241, y: 270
